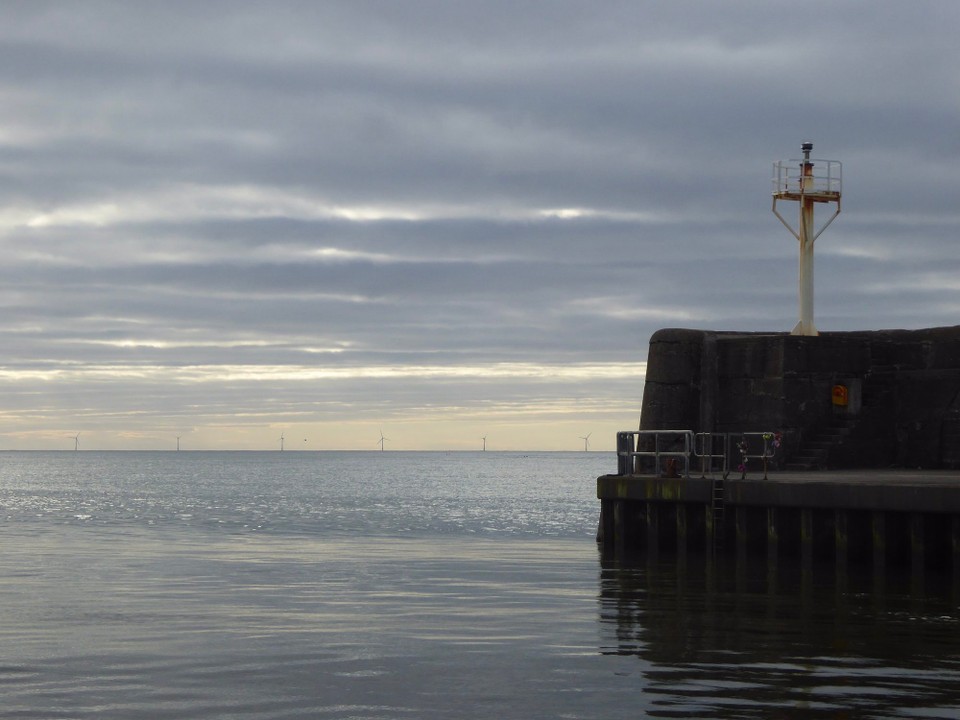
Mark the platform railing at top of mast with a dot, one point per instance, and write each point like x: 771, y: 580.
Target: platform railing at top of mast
x: 826, y: 177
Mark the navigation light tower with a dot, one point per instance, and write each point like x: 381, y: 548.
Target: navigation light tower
x: 808, y: 182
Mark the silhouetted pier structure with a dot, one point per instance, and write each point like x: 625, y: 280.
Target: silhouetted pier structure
x: 866, y: 467
x: 876, y: 517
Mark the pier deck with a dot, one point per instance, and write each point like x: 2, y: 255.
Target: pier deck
x: 878, y: 516
x: 890, y: 490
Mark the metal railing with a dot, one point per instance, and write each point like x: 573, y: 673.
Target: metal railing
x: 665, y: 443
x: 704, y: 448
x: 736, y: 450
x: 826, y: 177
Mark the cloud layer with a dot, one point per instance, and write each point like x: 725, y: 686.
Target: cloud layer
x: 231, y: 220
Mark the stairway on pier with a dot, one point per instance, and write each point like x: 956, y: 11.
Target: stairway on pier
x: 814, y: 453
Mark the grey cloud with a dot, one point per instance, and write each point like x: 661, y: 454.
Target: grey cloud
x: 171, y: 174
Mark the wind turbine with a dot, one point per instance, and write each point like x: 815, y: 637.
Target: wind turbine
x: 586, y: 441
x: 76, y: 442
x: 382, y: 438
x: 281, y: 442
x: 178, y: 443
x: 484, y: 443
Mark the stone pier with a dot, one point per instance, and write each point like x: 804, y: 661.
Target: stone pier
x: 867, y: 517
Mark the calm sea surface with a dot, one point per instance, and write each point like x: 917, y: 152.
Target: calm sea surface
x: 417, y: 585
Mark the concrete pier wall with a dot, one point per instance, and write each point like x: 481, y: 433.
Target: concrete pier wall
x: 903, y: 404
x: 892, y: 518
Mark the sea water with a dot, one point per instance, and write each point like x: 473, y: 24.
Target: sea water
x: 418, y: 585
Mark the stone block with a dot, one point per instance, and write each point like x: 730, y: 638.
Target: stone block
x: 672, y: 406
x: 674, y: 356
x: 827, y: 354
x: 749, y: 356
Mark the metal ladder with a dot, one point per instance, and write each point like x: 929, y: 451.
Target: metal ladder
x: 717, y: 509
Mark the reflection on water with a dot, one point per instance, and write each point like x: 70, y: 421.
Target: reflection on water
x: 269, y: 586
x: 173, y: 623
x: 721, y: 640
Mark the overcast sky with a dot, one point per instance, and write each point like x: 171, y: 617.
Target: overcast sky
x: 441, y: 220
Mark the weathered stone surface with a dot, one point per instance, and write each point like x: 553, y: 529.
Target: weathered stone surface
x: 671, y: 405
x: 655, y: 489
x: 671, y: 394
x: 674, y: 356
x: 750, y: 356
x: 908, y: 383
x: 944, y: 351
x: 827, y: 354
x: 893, y: 491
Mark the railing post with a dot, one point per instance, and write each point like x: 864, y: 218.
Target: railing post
x: 726, y: 455
x: 624, y: 450
x: 656, y: 455
x: 701, y: 438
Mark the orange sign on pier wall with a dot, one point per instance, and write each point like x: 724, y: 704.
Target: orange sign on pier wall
x: 840, y: 395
